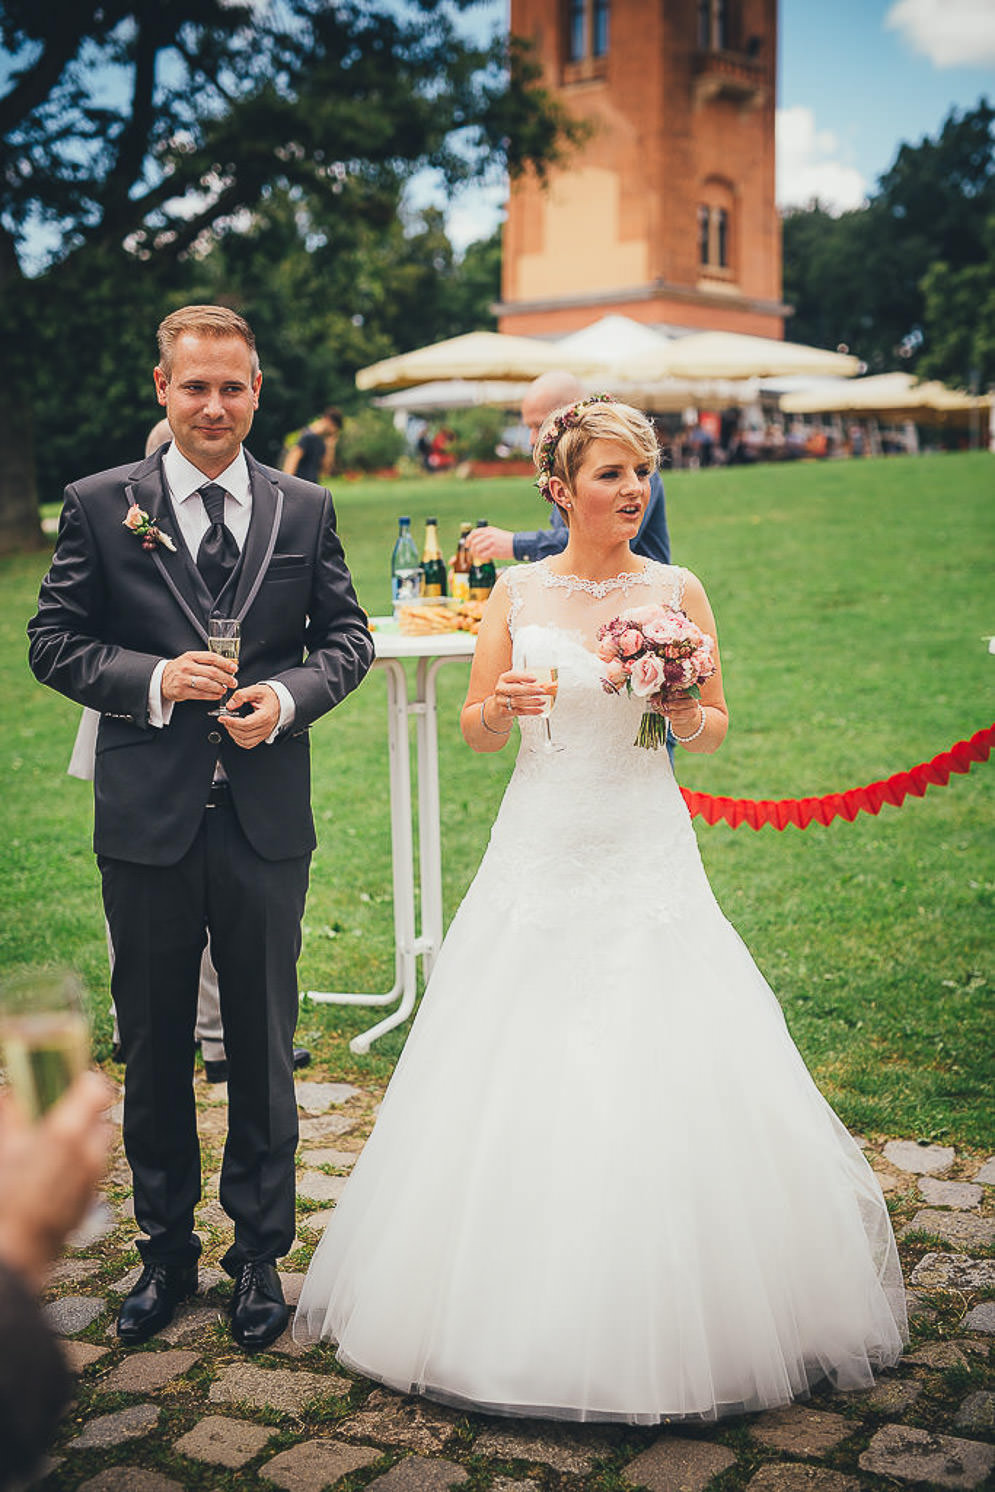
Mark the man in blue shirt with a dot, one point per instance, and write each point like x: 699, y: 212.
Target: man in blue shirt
x: 548, y: 392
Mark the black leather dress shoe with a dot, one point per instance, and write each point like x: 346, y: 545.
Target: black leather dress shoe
x: 259, y: 1312
x: 302, y: 1057
x: 150, y: 1304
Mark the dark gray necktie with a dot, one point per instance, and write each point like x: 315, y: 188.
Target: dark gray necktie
x: 218, y: 552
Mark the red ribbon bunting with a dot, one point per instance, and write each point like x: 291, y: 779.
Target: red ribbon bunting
x: 871, y: 799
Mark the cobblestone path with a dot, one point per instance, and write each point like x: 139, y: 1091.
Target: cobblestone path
x: 188, y: 1410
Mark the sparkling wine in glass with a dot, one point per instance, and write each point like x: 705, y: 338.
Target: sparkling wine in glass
x: 224, y: 635
x: 548, y: 680
x: 44, y: 1036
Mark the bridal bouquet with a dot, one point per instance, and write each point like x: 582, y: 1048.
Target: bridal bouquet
x: 658, y: 654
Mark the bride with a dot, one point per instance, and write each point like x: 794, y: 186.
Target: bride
x: 602, y: 1185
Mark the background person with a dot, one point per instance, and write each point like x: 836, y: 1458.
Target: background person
x: 203, y: 825
x: 548, y: 392
x: 313, y: 455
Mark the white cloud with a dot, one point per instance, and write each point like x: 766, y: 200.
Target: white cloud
x: 951, y: 33
x: 807, y: 169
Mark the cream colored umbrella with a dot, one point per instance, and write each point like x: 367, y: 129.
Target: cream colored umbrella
x: 454, y: 393
x: 484, y: 355
x: 897, y: 396
x: 733, y: 355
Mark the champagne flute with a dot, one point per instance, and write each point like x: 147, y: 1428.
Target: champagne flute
x: 548, y: 679
x: 223, y: 637
x: 44, y: 1046
x: 44, y: 1036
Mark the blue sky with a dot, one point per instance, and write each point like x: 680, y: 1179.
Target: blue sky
x: 857, y: 78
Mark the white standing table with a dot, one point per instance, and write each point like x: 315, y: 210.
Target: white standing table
x: 431, y: 652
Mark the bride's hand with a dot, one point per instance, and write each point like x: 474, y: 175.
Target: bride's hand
x: 520, y: 693
x: 684, y: 714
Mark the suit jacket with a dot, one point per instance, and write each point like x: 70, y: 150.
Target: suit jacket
x: 652, y: 540
x: 109, y: 610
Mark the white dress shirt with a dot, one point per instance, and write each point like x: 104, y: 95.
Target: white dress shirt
x: 183, y: 483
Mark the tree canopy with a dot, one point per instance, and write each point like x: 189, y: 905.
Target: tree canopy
x: 905, y: 281
x: 146, y: 137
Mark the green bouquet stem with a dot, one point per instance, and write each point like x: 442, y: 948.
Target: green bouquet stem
x: 652, y: 731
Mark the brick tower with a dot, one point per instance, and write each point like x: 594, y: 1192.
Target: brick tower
x: 667, y: 214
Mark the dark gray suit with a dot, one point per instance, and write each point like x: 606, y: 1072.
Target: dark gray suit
x: 109, y: 610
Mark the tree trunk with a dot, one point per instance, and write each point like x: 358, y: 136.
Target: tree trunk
x: 20, y: 522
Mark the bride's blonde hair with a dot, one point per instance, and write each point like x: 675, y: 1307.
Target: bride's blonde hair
x: 567, y: 434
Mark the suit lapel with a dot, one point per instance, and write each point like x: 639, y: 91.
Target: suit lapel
x: 147, y: 488
x: 264, y: 525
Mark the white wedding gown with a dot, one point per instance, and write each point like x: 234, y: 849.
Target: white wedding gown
x: 602, y: 1184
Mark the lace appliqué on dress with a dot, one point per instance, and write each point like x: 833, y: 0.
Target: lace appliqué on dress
x: 598, y: 588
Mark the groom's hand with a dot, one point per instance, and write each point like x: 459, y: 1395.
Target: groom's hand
x: 197, y: 676
x: 264, y: 717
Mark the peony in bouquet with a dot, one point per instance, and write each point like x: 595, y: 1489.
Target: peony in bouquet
x: 658, y: 654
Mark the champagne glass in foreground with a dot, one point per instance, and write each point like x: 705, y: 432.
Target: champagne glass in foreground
x: 223, y: 637
x: 44, y: 1037
x: 44, y: 1046
x: 548, y: 680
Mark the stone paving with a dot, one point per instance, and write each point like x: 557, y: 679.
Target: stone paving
x: 189, y: 1411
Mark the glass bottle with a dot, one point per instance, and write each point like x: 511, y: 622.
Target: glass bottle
x: 460, y: 587
x: 482, y: 575
x: 432, y: 563
x: 405, y: 570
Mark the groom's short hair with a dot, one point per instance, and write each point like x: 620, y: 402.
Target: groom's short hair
x: 203, y: 321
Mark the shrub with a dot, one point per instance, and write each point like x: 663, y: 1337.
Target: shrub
x: 369, y: 442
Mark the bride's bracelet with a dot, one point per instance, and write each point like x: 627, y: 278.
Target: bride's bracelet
x: 685, y: 740
x: 483, y: 722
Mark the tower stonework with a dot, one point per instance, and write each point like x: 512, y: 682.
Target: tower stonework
x: 667, y: 213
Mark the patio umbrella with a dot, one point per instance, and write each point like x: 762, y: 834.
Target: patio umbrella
x: 733, y: 355
x: 454, y: 393
x: 485, y: 355
x: 897, y: 396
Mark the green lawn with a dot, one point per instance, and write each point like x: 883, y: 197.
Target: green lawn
x: 851, y: 598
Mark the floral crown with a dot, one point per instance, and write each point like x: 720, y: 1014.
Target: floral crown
x: 545, y: 452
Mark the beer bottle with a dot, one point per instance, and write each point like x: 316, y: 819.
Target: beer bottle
x: 460, y: 587
x: 432, y: 563
x: 482, y: 574
x: 405, y: 571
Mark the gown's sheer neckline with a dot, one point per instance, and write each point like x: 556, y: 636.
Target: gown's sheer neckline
x: 599, y: 588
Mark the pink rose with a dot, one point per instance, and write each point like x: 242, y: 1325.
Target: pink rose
x: 630, y: 642
x: 641, y: 614
x: 616, y: 673
x: 662, y: 628
x: 647, y: 675
x: 607, y: 649
x: 136, y: 518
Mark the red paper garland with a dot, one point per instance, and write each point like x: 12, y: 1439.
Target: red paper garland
x: 871, y: 799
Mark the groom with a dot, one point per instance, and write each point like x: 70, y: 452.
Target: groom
x: 203, y: 823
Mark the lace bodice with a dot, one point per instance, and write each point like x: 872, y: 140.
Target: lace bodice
x: 602, y: 807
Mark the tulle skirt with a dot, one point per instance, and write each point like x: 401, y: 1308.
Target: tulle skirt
x: 602, y: 1184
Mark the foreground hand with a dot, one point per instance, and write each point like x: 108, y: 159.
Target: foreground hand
x: 249, y: 730
x: 198, y: 676
x: 520, y: 694
x: 48, y: 1172
x: 490, y: 544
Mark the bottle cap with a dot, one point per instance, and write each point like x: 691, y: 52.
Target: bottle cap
x: 404, y: 520
x: 482, y: 523
x: 431, y: 520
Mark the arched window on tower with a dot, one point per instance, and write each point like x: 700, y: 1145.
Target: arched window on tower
x: 713, y: 25
x: 588, y: 26
x: 716, y: 220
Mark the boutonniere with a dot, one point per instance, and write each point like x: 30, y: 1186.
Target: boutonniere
x: 139, y: 522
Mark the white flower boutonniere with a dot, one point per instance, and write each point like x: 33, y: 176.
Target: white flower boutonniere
x: 139, y: 522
